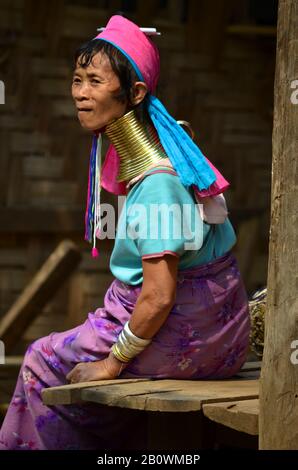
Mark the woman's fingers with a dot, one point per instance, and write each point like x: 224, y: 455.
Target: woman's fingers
x: 72, y: 376
x: 97, y: 370
x: 69, y: 375
x: 86, y: 371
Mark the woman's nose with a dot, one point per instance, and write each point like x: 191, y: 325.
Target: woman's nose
x: 81, y: 92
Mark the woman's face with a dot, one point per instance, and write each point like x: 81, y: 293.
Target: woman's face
x: 93, y: 90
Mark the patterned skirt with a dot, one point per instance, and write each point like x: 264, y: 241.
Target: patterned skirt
x: 206, y: 336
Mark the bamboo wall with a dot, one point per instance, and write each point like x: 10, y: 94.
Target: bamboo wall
x: 217, y: 72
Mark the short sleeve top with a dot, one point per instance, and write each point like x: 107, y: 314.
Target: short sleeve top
x: 160, y: 216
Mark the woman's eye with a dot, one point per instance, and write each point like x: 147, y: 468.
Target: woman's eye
x: 95, y: 81
x: 76, y: 80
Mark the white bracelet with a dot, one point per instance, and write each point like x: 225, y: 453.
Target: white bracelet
x: 129, y: 344
x: 135, y: 339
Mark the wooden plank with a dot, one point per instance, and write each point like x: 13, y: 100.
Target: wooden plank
x: 34, y: 297
x: 154, y: 395
x: 240, y: 415
x: 172, y: 395
x: 67, y: 394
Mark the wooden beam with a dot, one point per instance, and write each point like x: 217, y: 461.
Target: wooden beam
x: 279, y: 378
x: 40, y: 290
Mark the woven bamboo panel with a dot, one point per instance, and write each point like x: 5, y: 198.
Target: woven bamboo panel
x: 221, y: 82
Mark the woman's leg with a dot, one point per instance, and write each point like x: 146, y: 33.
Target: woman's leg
x: 29, y: 424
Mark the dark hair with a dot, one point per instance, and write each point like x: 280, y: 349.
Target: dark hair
x: 121, y: 67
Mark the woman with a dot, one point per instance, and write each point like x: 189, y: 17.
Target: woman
x: 171, y: 311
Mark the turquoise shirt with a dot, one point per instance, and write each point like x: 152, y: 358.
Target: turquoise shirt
x: 146, y: 229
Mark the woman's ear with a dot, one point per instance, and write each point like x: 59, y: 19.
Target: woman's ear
x: 139, y: 92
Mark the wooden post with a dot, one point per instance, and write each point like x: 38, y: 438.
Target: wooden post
x: 279, y: 378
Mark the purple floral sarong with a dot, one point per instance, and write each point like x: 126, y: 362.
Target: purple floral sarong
x: 206, y: 336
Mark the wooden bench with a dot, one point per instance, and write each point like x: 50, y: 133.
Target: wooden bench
x: 179, y: 414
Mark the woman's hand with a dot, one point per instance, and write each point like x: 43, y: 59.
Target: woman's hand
x: 108, y: 368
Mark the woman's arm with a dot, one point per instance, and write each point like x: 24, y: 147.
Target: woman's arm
x: 157, y: 296
x: 151, y: 310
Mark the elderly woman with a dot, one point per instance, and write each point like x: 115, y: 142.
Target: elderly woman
x: 177, y: 307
